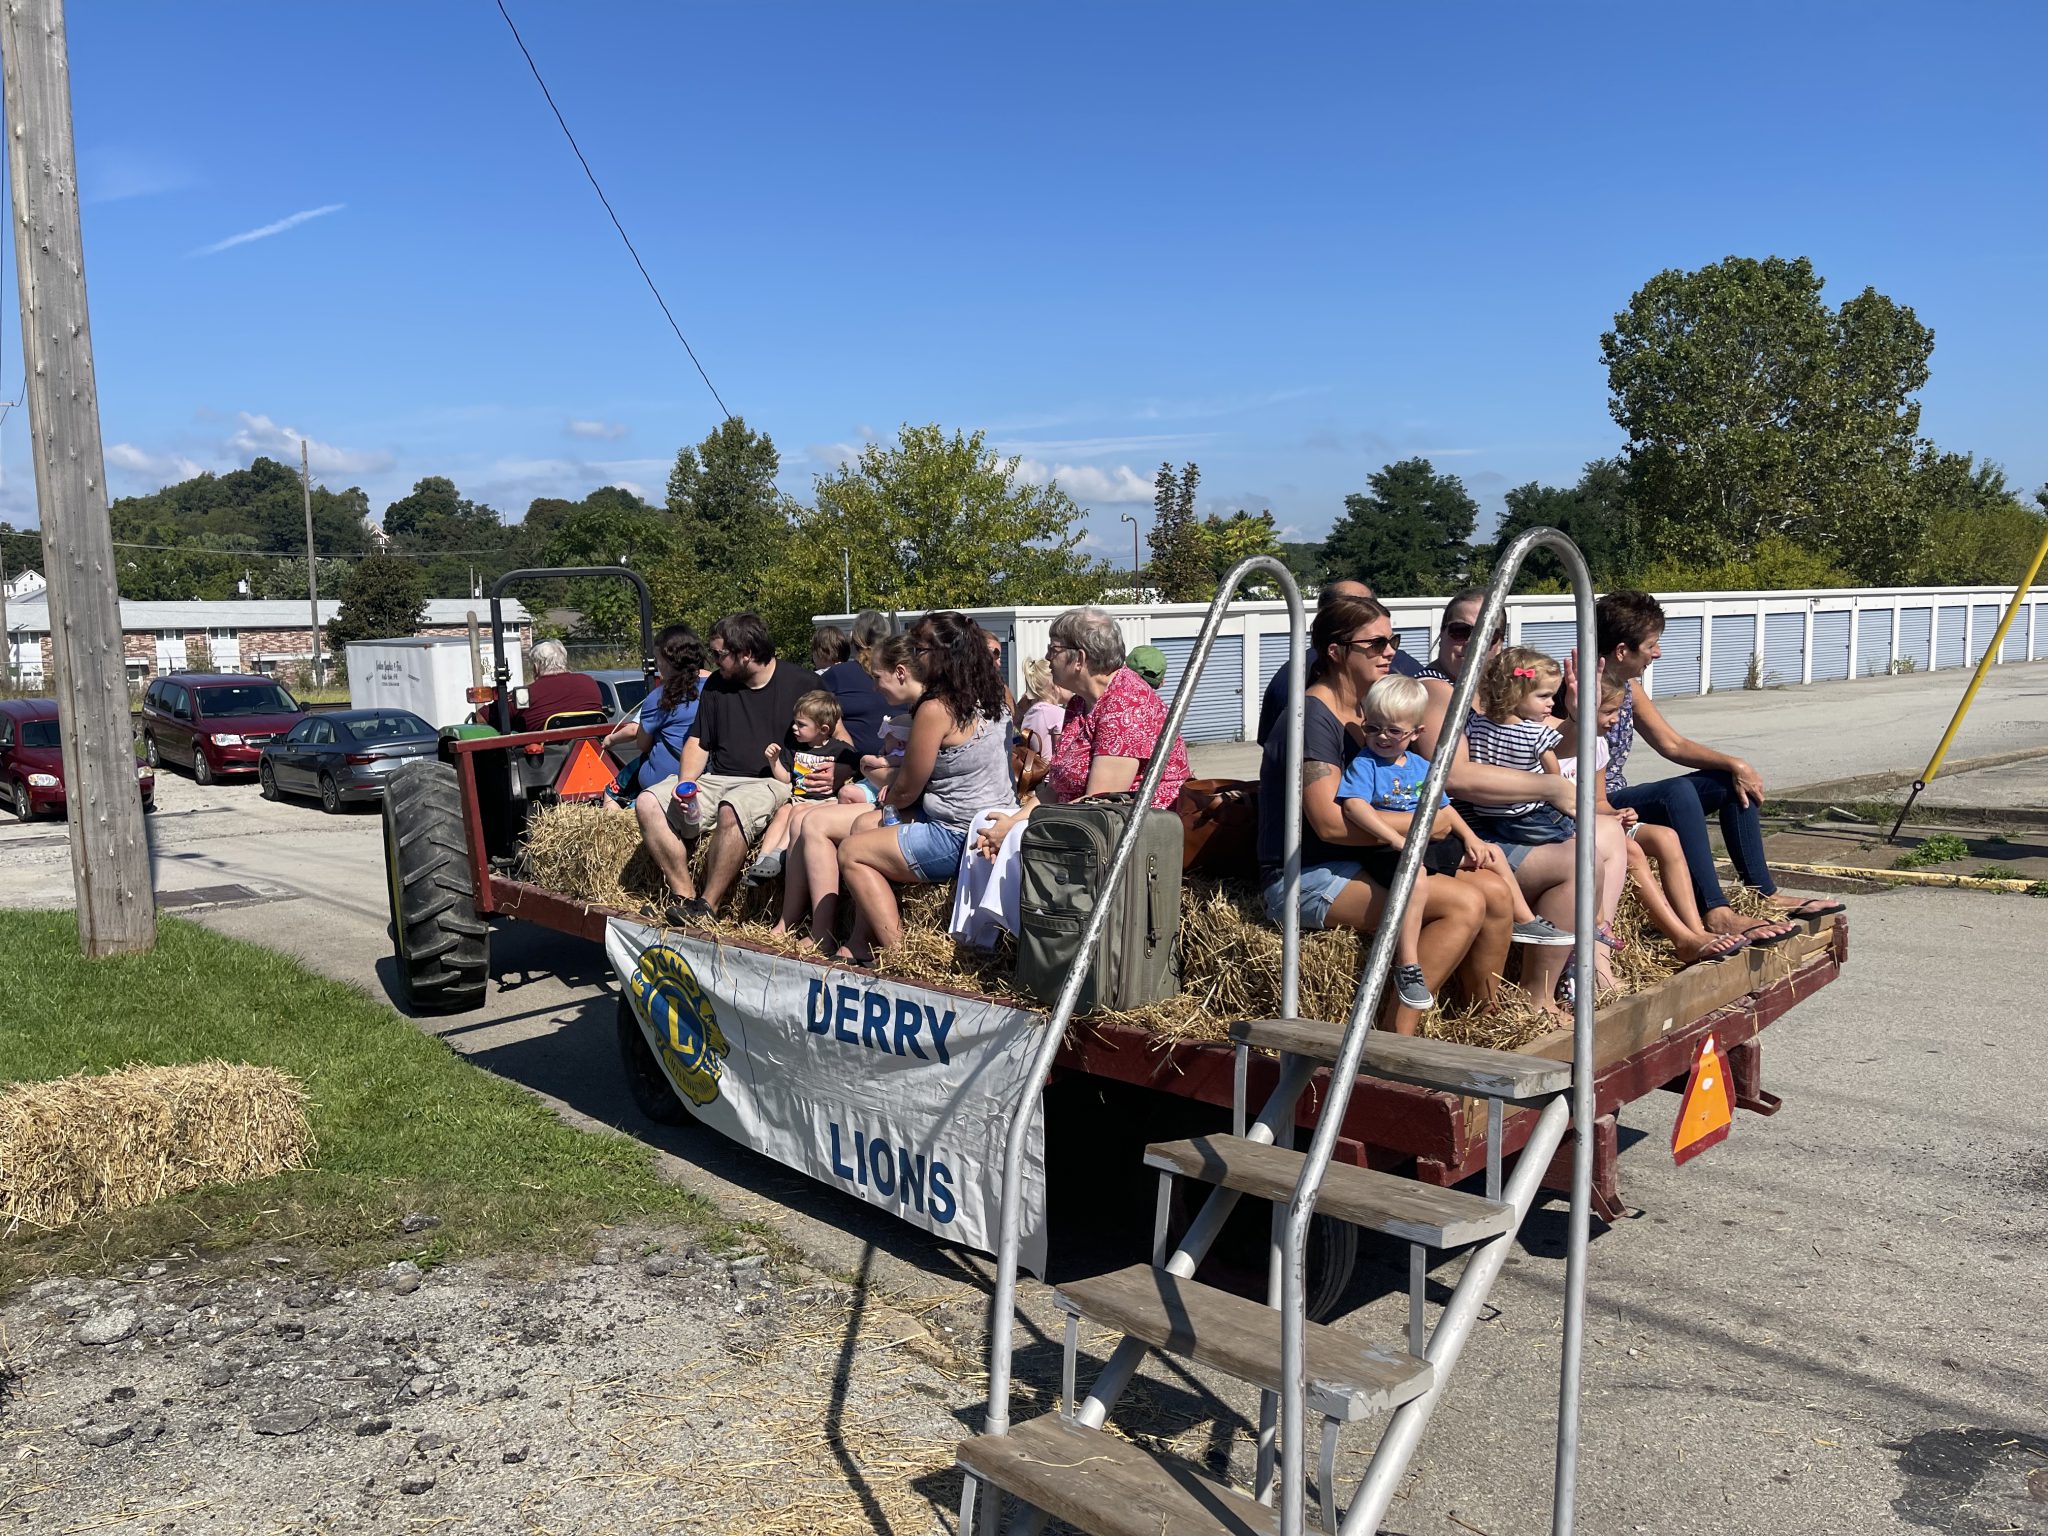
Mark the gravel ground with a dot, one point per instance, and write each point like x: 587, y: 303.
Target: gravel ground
x: 659, y: 1388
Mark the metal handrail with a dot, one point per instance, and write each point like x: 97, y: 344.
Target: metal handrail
x: 1365, y: 1003
x: 1003, y: 1308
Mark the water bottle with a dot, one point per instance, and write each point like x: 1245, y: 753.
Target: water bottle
x: 890, y: 817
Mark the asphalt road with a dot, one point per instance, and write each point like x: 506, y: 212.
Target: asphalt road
x: 1827, y: 1324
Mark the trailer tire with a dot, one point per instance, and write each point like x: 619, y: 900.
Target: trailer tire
x: 1332, y: 1257
x: 650, y: 1088
x: 440, y: 940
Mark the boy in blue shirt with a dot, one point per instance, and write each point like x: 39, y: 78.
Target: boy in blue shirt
x: 1379, y: 795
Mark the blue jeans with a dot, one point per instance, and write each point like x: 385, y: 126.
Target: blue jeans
x: 1682, y: 805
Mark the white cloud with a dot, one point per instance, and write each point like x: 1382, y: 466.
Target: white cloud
x: 164, y: 468
x: 113, y: 173
x: 290, y: 221
x: 1086, y: 483
x: 1089, y: 447
x: 832, y: 455
x: 602, y: 431
x: 261, y: 435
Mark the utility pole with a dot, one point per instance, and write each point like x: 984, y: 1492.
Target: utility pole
x: 109, y: 845
x: 312, y: 569
x: 1137, y: 595
x: 846, y: 575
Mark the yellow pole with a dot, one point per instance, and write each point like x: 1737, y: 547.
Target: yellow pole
x: 1976, y: 681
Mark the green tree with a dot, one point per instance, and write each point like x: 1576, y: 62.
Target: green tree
x: 256, y: 512
x: 1594, y: 514
x: 381, y: 599
x: 1238, y: 537
x: 1180, y: 566
x: 730, y: 522
x: 1751, y: 408
x: 612, y: 526
x: 1978, y: 531
x: 1409, y: 536
x: 20, y: 549
x: 932, y: 521
x: 1775, y: 564
x: 1306, y: 561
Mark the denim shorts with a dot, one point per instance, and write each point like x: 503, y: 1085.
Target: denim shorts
x: 1534, y: 828
x: 931, y: 849
x: 1321, y: 885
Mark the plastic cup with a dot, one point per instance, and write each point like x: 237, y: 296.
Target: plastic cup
x: 686, y: 798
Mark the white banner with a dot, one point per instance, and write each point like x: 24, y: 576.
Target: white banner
x: 896, y: 1093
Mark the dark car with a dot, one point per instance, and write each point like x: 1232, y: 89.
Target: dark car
x: 623, y: 689
x: 214, y: 722
x: 344, y: 756
x: 32, y: 760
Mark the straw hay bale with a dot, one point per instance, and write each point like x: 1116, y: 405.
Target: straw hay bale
x: 1230, y: 954
x: 94, y: 1143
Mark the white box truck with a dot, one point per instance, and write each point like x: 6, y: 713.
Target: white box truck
x: 428, y: 674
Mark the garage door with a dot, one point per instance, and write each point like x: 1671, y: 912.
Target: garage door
x: 1784, y: 648
x: 1873, y: 643
x: 1677, y: 672
x: 1734, y: 644
x: 1983, y: 625
x: 2015, y: 647
x: 1950, y: 633
x: 1218, y: 711
x: 1831, y: 645
x: 1916, y: 637
x: 1555, y: 638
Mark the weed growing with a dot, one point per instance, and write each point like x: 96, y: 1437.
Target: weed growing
x: 1941, y: 848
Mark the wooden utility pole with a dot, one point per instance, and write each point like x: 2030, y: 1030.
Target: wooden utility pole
x: 109, y: 847
x: 312, y: 569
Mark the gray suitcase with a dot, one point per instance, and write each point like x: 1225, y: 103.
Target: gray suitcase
x: 1065, y: 859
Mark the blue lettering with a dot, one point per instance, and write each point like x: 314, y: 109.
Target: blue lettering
x: 910, y: 1178
x: 884, y: 1166
x: 838, y: 1162
x: 817, y: 1009
x: 843, y: 1020
x: 940, y: 1029
x: 860, y: 1159
x: 874, y: 1022
x: 942, y: 1204
x: 909, y: 1020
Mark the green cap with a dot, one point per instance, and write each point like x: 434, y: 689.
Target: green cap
x: 1149, y: 662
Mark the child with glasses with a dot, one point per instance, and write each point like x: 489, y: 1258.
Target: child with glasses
x: 1379, y: 795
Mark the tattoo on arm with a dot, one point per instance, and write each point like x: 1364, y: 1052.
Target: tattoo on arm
x: 1312, y: 771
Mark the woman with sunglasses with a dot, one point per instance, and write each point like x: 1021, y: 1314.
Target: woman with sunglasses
x: 1469, y: 921
x: 1454, y: 639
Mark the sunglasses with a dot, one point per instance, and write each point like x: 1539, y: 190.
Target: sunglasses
x: 1379, y: 645
x: 1460, y: 631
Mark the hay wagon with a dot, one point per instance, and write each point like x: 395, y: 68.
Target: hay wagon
x: 455, y: 834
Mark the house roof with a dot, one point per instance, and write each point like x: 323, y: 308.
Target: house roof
x: 31, y: 615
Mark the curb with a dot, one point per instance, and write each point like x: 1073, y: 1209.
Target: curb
x: 1906, y: 877
x: 1819, y: 799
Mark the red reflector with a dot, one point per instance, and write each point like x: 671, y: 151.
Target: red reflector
x: 365, y: 757
x: 534, y: 749
x: 481, y: 695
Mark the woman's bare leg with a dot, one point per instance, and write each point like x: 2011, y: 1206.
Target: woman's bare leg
x: 1480, y: 975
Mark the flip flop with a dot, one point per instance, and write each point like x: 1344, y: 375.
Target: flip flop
x: 1761, y: 940
x: 1815, y: 906
x: 1736, y: 944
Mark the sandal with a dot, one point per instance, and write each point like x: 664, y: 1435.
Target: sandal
x: 1815, y: 906
x: 1729, y: 944
x: 1760, y: 938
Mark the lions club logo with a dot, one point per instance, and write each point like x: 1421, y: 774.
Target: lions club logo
x: 691, y: 1044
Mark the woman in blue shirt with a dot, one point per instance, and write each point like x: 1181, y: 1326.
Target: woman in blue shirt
x: 667, y: 713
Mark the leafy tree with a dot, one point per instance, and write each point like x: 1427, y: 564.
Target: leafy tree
x: 259, y: 510
x: 1238, y: 537
x: 1594, y: 514
x: 20, y: 549
x: 1180, y: 565
x: 612, y: 526
x: 730, y: 522
x: 1751, y: 407
x: 381, y: 599
x: 1408, y: 537
x: 932, y: 521
x: 1978, y: 532
x: 1306, y: 561
x: 1775, y: 564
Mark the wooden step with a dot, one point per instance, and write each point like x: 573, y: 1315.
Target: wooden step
x: 1107, y: 1486
x: 1348, y: 1378
x: 1379, y: 1202
x: 1441, y: 1064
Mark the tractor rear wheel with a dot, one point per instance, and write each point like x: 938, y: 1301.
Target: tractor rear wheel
x: 440, y: 939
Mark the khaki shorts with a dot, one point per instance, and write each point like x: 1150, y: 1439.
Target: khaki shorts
x: 753, y: 801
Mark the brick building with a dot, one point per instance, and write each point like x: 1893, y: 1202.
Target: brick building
x: 249, y: 635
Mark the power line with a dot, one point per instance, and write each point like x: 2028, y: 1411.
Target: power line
x: 587, y: 171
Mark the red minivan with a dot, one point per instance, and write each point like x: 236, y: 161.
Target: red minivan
x: 214, y: 722
x: 32, y: 760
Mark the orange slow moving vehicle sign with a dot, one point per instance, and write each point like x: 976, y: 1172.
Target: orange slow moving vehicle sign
x: 1705, y: 1112
x: 586, y: 774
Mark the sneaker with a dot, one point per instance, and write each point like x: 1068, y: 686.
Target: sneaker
x: 1541, y: 930
x: 766, y: 867
x: 1412, y: 987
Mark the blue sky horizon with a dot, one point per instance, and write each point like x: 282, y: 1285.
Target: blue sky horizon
x: 1291, y: 244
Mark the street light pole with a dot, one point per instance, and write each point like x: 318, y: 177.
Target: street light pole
x: 1136, y: 581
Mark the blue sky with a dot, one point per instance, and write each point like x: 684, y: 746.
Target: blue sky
x: 1289, y: 242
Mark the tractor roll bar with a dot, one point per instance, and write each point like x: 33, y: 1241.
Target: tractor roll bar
x: 502, y: 671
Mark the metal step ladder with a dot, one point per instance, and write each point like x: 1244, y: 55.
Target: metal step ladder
x: 1065, y: 1465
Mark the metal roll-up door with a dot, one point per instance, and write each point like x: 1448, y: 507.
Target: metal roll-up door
x: 1983, y: 625
x: 2039, y: 635
x: 1677, y: 671
x: 1873, y: 643
x: 1272, y: 656
x: 1784, y: 648
x: 1916, y: 637
x: 1553, y: 637
x: 1218, y: 711
x: 1950, y: 635
x: 1831, y: 645
x: 1734, y: 644
x: 2015, y: 647
x: 1415, y: 641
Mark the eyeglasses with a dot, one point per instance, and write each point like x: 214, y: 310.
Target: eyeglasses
x: 1460, y: 631
x: 718, y: 656
x: 1390, y: 728
x: 1379, y: 645
x: 1054, y: 651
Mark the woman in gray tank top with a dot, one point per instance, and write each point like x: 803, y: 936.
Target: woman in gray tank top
x: 956, y: 765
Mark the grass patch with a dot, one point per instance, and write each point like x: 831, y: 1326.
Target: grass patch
x: 1941, y: 848
x: 1999, y: 872
x: 1877, y: 812
x: 403, y: 1124
x: 2038, y: 888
